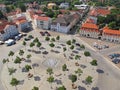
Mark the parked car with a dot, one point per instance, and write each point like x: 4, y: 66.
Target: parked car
x: 111, y: 56
x: 105, y: 46
x: 17, y: 37
x: 10, y: 42
x: 116, y: 61
x: 1, y: 42
x: 42, y: 33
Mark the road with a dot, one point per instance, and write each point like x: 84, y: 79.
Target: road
x: 110, y: 79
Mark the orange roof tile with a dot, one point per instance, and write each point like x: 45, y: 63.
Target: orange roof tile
x: 21, y: 21
x: 103, y: 11
x: 89, y: 26
x: 42, y: 18
x: 89, y: 20
x: 110, y: 31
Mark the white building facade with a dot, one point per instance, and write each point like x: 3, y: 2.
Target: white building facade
x: 8, y: 32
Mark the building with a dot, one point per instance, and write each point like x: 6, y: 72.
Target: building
x: 64, y: 5
x: 64, y: 23
x: 51, y: 5
x: 7, y: 30
x: 111, y: 35
x: 89, y: 30
x: 23, y: 25
x: 82, y: 6
x: 42, y: 22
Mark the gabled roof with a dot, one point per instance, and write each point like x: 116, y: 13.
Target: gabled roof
x: 42, y: 18
x: 21, y: 21
x: 89, y: 20
x: 110, y: 31
x: 103, y: 12
x: 5, y: 24
x: 90, y: 26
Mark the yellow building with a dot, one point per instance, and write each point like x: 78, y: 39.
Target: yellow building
x: 51, y: 5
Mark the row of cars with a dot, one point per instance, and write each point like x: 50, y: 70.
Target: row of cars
x: 13, y: 40
x: 100, y: 47
x: 115, y: 57
x: 45, y: 33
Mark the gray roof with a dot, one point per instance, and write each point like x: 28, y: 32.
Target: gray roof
x: 65, y: 20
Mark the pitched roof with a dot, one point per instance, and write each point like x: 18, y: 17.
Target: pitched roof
x: 89, y: 20
x: 42, y: 18
x: 89, y: 26
x: 5, y: 24
x: 99, y: 11
x: 103, y: 11
x: 21, y: 21
x: 110, y: 31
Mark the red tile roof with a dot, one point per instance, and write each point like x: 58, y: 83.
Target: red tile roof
x: 90, y: 26
x: 106, y: 30
x: 103, y: 11
x: 99, y: 11
x: 21, y: 21
x: 42, y: 18
x: 4, y: 24
x: 89, y: 20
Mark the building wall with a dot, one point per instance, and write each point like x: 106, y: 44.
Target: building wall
x: 23, y: 26
x: 62, y: 29
x: 88, y: 33
x: 111, y: 38
x: 42, y: 24
x: 9, y: 32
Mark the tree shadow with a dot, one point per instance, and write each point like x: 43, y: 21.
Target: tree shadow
x: 37, y: 78
x: 95, y: 88
x: 81, y: 88
x: 45, y: 52
x: 74, y: 51
x: 83, y: 66
x: 100, y: 71
x: 58, y: 47
x: 24, y: 70
x: 21, y: 82
x: 58, y: 82
x: 41, y: 48
x: 28, y: 61
x: 35, y: 65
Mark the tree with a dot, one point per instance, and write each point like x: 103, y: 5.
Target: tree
x: 112, y: 25
x: 28, y: 56
x: 28, y: 67
x: 38, y: 44
x: 32, y: 44
x: 21, y: 52
x: 35, y: 88
x: 55, y: 8
x: 5, y: 61
x: 58, y: 38
x: 45, y: 9
x: 24, y: 44
x: 72, y: 47
x: 86, y: 53
x: 1, y: 15
x: 11, y: 53
x: 14, y: 82
x: 50, y: 71
x: 68, y: 42
x: 50, y: 13
x: 78, y: 71
x: 50, y: 80
x: 53, y: 39
x: 52, y: 45
x: 22, y: 7
x: 64, y: 49
x: 64, y: 67
x: 77, y: 57
x: 17, y: 61
x: 47, y: 38
x: 88, y: 79
x: 94, y: 62
x: 36, y: 40
x: 73, y: 41
x: 61, y: 88
x: 11, y: 70
x: 73, y: 78
x: 82, y: 46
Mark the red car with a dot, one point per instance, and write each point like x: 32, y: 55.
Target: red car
x: 42, y: 33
